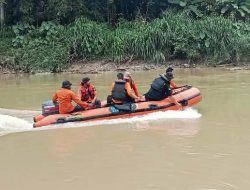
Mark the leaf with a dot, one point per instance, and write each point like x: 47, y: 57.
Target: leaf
x: 202, y: 35
x: 174, y: 2
x: 243, y: 7
x: 207, y: 43
x: 242, y: 13
x: 224, y: 9
x: 16, y: 31
x: 195, y: 11
x: 21, y: 37
x: 235, y: 6
x: 183, y: 3
x: 197, y: 2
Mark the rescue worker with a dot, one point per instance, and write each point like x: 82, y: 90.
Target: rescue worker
x: 170, y: 76
x: 87, y: 93
x: 65, y: 96
x: 122, y: 92
x: 161, y: 88
x: 128, y: 78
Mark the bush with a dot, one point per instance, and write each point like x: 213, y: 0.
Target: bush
x: 86, y: 38
x: 214, y: 39
x: 50, y: 58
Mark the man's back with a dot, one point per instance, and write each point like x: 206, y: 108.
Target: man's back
x: 160, y: 89
x: 64, y: 96
x: 123, y: 93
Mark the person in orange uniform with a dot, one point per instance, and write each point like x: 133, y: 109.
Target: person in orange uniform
x: 128, y: 78
x: 122, y: 92
x: 87, y: 93
x: 65, y: 96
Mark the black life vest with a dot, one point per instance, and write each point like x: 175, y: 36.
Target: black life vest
x: 119, y: 92
x: 160, y: 88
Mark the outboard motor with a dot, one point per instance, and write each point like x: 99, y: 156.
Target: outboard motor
x: 49, y: 108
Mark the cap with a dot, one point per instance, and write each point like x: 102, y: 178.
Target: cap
x: 85, y: 80
x: 66, y: 83
x: 169, y: 69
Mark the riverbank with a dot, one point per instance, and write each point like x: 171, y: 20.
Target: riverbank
x: 95, y: 67
x: 100, y: 66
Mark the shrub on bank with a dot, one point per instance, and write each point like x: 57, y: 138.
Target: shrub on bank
x: 50, y: 47
x: 51, y: 58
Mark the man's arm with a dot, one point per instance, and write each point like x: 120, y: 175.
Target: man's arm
x: 94, y: 99
x: 130, y: 91
x: 135, y: 88
x: 112, y: 86
x: 172, y: 84
x: 79, y: 93
x: 172, y: 99
x: 77, y: 100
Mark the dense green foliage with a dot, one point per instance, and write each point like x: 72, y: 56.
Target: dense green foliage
x: 47, y: 35
x: 66, y: 11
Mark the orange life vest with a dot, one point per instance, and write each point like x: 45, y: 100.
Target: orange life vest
x: 87, y: 94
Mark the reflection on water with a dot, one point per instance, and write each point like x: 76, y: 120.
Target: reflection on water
x: 63, y: 143
x: 181, y: 127
x: 208, y: 152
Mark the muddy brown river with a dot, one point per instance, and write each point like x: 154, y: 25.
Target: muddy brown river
x: 203, y: 148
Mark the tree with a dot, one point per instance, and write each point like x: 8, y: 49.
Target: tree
x: 2, y: 12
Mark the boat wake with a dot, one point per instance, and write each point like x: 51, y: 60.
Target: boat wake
x: 189, y: 113
x: 10, y: 124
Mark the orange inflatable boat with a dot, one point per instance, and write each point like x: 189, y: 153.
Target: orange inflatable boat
x: 187, y: 96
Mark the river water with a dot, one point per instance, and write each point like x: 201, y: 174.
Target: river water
x: 203, y: 148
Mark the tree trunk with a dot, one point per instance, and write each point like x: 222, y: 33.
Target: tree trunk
x: 1, y: 14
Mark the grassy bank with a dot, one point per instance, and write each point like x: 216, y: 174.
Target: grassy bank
x: 52, y: 47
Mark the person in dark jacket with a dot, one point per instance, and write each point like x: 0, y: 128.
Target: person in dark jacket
x: 161, y: 88
x: 170, y: 76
